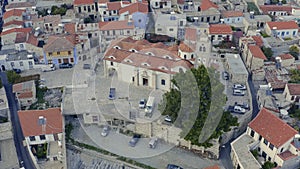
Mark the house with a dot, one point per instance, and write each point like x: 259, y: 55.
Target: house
x: 25, y: 93
x: 252, y: 22
x: 13, y: 24
x: 142, y: 63
x: 22, y: 60
x: 285, y: 60
x: 282, y: 29
x: 109, y: 11
x: 209, y: 12
x: 116, y: 29
x: 8, y: 37
x: 232, y: 17
x: 245, y: 41
x: 170, y: 24
x: 48, y: 24
x: 161, y: 4
x: 255, y: 58
x: 275, y: 10
x: 236, y: 68
x: 292, y: 92
x: 60, y: 50
x: 274, y: 140
x: 219, y: 33
x: 13, y: 15
x: 89, y: 8
x: 137, y: 12
x: 28, y: 6
x: 44, y: 127
x: 186, y: 52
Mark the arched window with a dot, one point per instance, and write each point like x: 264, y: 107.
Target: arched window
x: 204, y: 50
x: 192, y: 56
x: 200, y: 49
x: 184, y: 56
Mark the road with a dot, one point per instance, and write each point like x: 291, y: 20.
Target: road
x: 22, y: 152
x: 225, y: 157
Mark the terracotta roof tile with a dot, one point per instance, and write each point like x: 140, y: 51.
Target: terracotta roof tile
x: 213, y: 167
x: 257, y: 52
x: 58, y: 44
x: 13, y: 12
x: 285, y: 56
x: 258, y: 40
x: 180, y: 2
x: 83, y: 2
x: 207, y: 4
x: 228, y: 14
x: 190, y: 34
x: 16, y: 30
x: 185, y: 48
x: 21, y: 38
x: 113, y: 6
x: 14, y: 22
x: 135, y: 7
x: 286, y: 155
x: 266, y: 8
x: 115, y: 25
x: 220, y: 29
x: 29, y: 120
x: 25, y: 95
x: 102, y: 1
x: 19, y: 5
x: 283, y: 25
x: 32, y: 40
x: 271, y: 128
x: 294, y: 89
x: 70, y: 28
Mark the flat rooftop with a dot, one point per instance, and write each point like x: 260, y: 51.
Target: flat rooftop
x: 236, y: 64
x: 241, y: 147
x: 3, y: 99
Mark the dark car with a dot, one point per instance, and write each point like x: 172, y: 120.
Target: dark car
x: 225, y: 75
x: 173, y: 166
x: 65, y: 65
x: 17, y: 70
x: 135, y: 138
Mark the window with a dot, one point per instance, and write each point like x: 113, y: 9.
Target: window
x: 21, y: 63
x: 32, y: 138
x: 95, y: 118
x: 184, y: 56
x: 281, y: 150
x: 200, y: 49
x: 114, y: 32
x: 171, y: 29
x: 58, y: 53
x: 128, y: 32
x: 140, y: 20
x: 42, y: 137
x: 30, y: 62
x: 294, y: 33
x: 214, y: 18
x: 252, y: 133
x: 111, y: 63
x: 72, y: 60
x: 69, y: 52
x: 269, y: 158
x: 238, y: 19
x: 50, y: 53
x: 192, y: 56
x: 266, y: 142
x: 159, y: 29
x: 271, y: 146
x: 204, y: 50
x: 84, y: 8
x: 260, y: 137
x: 163, y: 82
x: 258, y: 149
x: 12, y: 64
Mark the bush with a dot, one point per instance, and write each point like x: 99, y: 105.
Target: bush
x: 12, y: 76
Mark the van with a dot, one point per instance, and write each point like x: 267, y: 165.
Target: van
x: 149, y: 106
x: 153, y: 142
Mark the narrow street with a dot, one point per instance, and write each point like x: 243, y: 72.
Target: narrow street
x: 22, y: 152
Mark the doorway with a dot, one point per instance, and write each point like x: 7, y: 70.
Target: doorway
x: 145, y: 82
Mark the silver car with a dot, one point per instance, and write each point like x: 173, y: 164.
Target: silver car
x: 105, y: 131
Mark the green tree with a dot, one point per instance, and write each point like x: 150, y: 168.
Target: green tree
x: 294, y: 51
x: 268, y: 52
x: 268, y: 165
x: 295, y: 76
x: 12, y: 76
x: 88, y: 20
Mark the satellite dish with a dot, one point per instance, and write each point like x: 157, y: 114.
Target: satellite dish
x: 49, y: 11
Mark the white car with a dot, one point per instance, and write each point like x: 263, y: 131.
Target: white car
x: 105, y: 131
x: 239, y: 86
x: 237, y: 92
x: 238, y: 109
x: 142, y: 103
x: 168, y: 119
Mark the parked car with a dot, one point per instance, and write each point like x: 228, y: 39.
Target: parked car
x: 238, y: 109
x: 65, y: 65
x: 225, y: 75
x: 18, y: 71
x: 142, y: 103
x: 105, y: 131
x: 168, y: 119
x: 48, y: 68
x: 237, y: 92
x: 173, y: 166
x: 86, y: 66
x: 153, y: 142
x: 135, y: 138
x: 230, y: 109
x: 239, y: 86
x: 112, y: 94
x: 242, y: 105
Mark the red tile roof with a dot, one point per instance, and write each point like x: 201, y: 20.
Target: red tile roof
x: 113, y: 6
x: 29, y: 120
x: 190, y: 34
x: 213, y: 167
x: 283, y: 25
x: 102, y: 1
x: 19, y: 5
x: 25, y: 95
x: 32, y: 40
x: 207, y: 4
x: 286, y: 155
x: 271, y: 128
x: 21, y: 38
x: 13, y: 12
x: 14, y: 22
x: 286, y: 56
x: 267, y: 8
x: 218, y: 29
x: 83, y: 2
x: 135, y: 7
x: 294, y: 89
x: 185, y: 48
x: 70, y: 28
x: 257, y: 52
x: 228, y: 14
x: 115, y: 25
x: 16, y: 30
x: 258, y: 40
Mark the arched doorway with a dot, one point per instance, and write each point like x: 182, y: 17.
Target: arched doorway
x: 2, y: 67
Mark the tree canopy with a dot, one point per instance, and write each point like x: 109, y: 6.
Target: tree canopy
x: 294, y: 51
x: 12, y: 76
x: 295, y: 76
x: 268, y: 52
x: 196, y: 104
